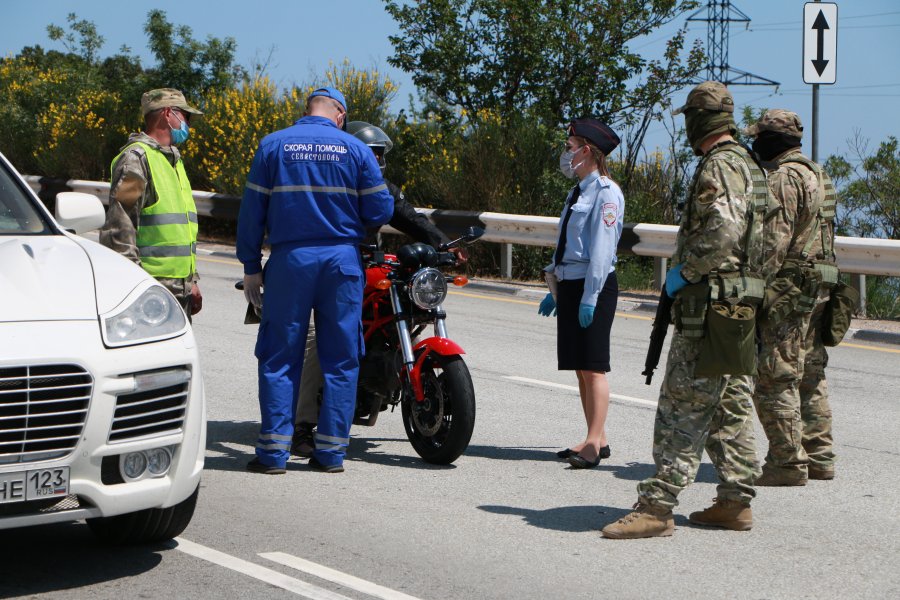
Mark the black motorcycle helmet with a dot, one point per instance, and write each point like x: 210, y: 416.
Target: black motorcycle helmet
x: 373, y: 137
x: 413, y: 256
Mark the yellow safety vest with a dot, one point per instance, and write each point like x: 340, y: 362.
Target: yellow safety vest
x: 167, y: 229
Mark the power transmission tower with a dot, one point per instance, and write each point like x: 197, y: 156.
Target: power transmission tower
x: 719, y: 14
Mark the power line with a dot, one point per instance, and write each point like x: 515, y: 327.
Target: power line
x: 896, y: 12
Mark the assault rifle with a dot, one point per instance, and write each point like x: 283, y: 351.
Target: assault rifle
x: 658, y: 335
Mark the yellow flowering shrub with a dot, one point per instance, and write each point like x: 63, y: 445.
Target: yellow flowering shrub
x: 223, y: 141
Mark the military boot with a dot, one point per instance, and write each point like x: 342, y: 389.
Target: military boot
x: 772, y: 477
x: 730, y: 514
x: 646, y: 521
x: 817, y: 473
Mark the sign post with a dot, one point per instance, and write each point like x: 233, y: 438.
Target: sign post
x: 819, y: 55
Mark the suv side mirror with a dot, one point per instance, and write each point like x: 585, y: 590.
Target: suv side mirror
x: 79, y: 212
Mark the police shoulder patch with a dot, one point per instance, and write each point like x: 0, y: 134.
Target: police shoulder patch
x: 610, y: 213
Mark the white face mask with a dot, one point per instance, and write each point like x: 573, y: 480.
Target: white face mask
x: 565, y: 163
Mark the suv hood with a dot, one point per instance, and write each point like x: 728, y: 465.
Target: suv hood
x: 45, y: 278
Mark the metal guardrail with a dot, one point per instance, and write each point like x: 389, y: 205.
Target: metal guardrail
x: 858, y: 256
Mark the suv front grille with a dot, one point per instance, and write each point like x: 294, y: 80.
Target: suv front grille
x: 42, y: 411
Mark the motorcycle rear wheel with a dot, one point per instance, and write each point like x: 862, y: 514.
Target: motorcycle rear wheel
x: 440, y: 427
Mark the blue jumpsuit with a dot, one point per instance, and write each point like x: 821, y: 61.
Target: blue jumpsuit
x: 312, y: 190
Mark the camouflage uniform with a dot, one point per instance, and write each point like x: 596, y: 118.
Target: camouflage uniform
x: 791, y: 392
x: 713, y: 412
x: 132, y: 189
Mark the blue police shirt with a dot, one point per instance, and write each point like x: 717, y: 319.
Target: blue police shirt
x: 592, y: 235
x: 311, y: 184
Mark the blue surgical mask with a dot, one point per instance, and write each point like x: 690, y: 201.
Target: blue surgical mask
x: 180, y: 135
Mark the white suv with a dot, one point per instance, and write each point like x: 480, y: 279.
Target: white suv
x: 102, y: 410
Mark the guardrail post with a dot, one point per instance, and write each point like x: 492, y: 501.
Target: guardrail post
x: 506, y: 257
x: 858, y: 281
x: 659, y: 272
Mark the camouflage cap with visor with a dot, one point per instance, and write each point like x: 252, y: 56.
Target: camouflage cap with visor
x: 779, y: 121
x: 709, y: 95
x: 164, y: 98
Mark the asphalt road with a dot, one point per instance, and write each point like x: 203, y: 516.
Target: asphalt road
x: 508, y: 519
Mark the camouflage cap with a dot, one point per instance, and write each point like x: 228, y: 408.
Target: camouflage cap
x: 779, y: 121
x: 709, y: 95
x: 165, y: 97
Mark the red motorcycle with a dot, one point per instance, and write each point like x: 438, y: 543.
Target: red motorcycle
x: 427, y: 377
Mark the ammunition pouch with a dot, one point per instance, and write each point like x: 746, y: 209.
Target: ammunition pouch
x: 737, y: 287
x: 829, y: 274
x: 729, y: 346
x: 838, y: 313
x: 689, y: 310
x: 782, y: 299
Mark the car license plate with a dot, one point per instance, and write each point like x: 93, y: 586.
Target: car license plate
x: 34, y: 485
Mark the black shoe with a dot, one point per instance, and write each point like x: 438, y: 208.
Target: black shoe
x: 257, y: 467
x: 604, y: 452
x: 579, y: 462
x: 315, y: 464
x: 303, y: 442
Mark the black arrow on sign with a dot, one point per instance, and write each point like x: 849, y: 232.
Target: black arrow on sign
x: 820, y: 25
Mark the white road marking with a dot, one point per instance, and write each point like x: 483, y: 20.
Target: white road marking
x: 307, y: 590
x: 338, y: 577
x: 574, y: 388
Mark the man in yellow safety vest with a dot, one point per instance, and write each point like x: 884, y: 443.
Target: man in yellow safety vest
x: 151, y: 218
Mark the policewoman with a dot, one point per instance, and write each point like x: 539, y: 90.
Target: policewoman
x: 313, y: 190
x: 584, y: 277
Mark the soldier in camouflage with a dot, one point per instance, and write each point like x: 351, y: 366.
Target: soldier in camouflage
x: 791, y: 394
x: 134, y: 198
x: 719, y: 235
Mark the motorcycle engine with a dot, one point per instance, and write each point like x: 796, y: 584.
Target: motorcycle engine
x: 379, y: 370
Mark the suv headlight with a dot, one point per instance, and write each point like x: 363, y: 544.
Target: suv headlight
x: 428, y: 288
x: 151, y: 316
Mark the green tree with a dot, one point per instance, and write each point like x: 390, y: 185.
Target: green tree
x: 189, y: 65
x: 869, y: 196
x: 560, y: 58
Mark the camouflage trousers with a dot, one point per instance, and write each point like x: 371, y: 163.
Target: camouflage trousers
x: 181, y: 289
x: 815, y: 411
x: 777, y: 396
x: 696, y: 413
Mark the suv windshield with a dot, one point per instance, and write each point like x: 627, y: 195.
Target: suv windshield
x: 18, y: 216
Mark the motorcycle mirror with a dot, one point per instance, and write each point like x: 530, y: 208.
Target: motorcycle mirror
x: 473, y: 233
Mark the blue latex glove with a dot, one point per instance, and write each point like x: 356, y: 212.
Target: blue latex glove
x: 675, y: 280
x: 548, y: 306
x: 585, y: 315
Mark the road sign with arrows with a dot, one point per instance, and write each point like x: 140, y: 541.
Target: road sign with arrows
x: 820, y: 42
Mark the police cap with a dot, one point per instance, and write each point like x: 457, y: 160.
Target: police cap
x: 595, y: 132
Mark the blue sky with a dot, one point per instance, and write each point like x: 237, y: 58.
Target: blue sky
x: 305, y: 35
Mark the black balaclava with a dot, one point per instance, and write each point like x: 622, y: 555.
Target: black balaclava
x: 769, y: 144
x: 700, y: 123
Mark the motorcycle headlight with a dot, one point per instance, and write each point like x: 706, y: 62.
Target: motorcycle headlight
x: 151, y: 316
x: 428, y: 288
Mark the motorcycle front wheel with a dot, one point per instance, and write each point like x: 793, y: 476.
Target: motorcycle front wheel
x: 440, y: 427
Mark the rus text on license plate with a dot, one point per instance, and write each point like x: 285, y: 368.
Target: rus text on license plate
x: 36, y: 484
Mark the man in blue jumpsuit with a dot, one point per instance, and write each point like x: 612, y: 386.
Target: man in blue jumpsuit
x: 312, y: 189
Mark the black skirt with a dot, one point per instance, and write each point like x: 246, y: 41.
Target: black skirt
x: 579, y: 348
